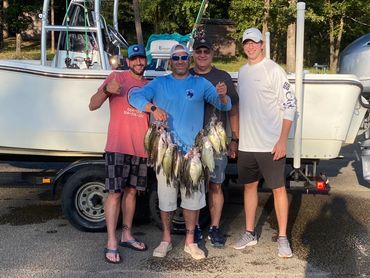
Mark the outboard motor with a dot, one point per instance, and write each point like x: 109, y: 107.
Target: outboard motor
x: 355, y: 59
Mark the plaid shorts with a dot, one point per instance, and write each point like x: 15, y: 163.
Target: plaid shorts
x: 123, y: 170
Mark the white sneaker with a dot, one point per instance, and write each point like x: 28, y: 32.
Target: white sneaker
x: 247, y: 239
x: 284, y: 250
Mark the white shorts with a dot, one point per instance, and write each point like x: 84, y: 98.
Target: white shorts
x: 167, y: 196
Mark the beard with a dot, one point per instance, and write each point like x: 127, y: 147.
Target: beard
x: 180, y: 71
x: 137, y: 72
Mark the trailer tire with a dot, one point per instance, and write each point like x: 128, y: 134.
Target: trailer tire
x: 83, y: 199
x: 178, y: 222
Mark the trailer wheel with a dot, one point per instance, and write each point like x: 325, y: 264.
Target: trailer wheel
x: 83, y: 199
x: 178, y: 222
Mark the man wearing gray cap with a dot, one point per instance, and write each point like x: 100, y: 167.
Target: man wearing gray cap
x: 267, y: 110
x: 178, y: 99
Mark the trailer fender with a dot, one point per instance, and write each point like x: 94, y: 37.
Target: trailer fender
x: 66, y: 172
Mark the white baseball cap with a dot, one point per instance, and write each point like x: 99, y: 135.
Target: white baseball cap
x: 252, y: 34
x: 177, y: 48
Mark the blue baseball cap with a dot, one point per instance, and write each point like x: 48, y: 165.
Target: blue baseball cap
x: 136, y: 50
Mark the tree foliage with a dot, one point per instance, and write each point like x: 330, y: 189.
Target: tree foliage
x: 18, y: 15
x: 330, y: 25
x: 178, y: 16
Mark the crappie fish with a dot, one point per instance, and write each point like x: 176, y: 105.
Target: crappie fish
x: 167, y: 163
x: 214, y: 138
x: 198, y: 139
x: 178, y: 164
x: 222, y: 135
x: 207, y: 154
x: 195, y: 170
x: 185, y: 179
x: 162, y: 147
x: 149, y: 137
x: 153, y: 149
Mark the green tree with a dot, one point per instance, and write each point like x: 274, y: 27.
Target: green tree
x: 139, y: 32
x: 246, y: 14
x: 337, y: 15
x: 179, y: 16
x: 1, y: 25
x: 330, y: 25
x: 273, y: 16
x: 18, y: 17
x: 335, y: 24
x: 170, y: 16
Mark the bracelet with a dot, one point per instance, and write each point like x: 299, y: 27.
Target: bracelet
x: 235, y: 140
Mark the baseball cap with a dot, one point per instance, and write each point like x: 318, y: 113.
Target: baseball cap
x: 136, y: 50
x: 252, y: 34
x: 178, y: 50
x: 198, y: 43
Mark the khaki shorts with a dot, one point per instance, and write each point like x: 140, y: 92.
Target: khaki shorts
x: 167, y: 196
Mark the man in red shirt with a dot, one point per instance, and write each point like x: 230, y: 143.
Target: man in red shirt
x: 125, y: 156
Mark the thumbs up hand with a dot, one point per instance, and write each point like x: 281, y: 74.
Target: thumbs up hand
x: 113, y: 87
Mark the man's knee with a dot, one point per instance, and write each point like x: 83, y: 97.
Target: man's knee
x: 113, y: 197
x: 280, y: 190
x: 215, y: 188
x: 130, y: 192
x: 251, y: 186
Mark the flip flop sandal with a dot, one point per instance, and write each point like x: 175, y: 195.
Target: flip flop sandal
x: 112, y: 251
x: 130, y: 244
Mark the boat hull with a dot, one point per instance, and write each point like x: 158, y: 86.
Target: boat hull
x: 332, y: 115
x: 44, y: 111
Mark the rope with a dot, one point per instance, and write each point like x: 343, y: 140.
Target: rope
x: 67, y: 60
x: 88, y: 60
x: 86, y: 36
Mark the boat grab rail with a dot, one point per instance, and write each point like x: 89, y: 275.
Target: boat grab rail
x: 70, y: 28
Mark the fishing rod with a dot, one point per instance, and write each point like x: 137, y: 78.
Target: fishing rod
x: 201, y: 12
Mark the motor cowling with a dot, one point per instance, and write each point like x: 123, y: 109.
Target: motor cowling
x: 355, y: 59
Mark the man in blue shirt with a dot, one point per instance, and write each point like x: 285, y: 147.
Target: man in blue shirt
x: 178, y: 99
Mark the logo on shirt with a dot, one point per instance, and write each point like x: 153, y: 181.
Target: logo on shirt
x: 290, y: 100
x: 286, y: 86
x: 189, y: 93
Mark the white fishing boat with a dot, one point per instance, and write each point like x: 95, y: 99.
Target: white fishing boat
x: 44, y: 104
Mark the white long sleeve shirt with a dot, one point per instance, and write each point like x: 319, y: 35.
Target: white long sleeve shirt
x: 265, y: 98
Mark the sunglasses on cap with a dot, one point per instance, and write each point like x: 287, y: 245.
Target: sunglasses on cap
x: 182, y: 58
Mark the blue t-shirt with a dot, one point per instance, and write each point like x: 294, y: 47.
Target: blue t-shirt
x: 183, y: 100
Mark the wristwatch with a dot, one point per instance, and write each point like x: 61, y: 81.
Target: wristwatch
x: 153, y: 108
x: 236, y: 140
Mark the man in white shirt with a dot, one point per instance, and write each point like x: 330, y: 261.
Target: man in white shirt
x: 267, y: 110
